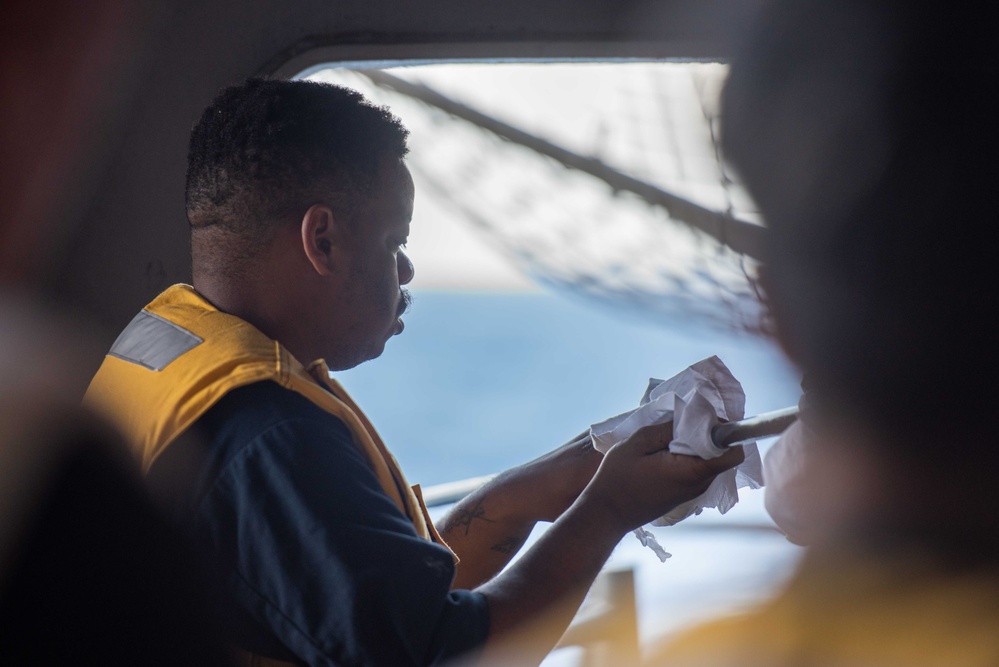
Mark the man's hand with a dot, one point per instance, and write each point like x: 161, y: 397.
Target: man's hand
x: 532, y: 602
x: 639, y: 479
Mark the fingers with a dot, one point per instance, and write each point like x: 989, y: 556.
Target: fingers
x: 730, y: 459
x: 652, y: 438
x: 656, y: 437
x: 690, y: 476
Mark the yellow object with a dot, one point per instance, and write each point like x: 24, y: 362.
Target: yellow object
x: 846, y: 610
x: 180, y: 355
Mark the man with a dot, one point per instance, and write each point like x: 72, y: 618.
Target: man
x: 300, y: 204
x: 866, y: 133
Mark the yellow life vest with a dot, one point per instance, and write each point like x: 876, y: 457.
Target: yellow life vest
x: 180, y: 355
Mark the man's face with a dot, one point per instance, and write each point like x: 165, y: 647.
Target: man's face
x: 377, y: 268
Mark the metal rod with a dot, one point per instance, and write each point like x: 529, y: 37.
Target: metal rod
x: 729, y: 434
x: 452, y: 492
x: 763, y: 425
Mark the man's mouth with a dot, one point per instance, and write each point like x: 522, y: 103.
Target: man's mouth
x: 405, y: 301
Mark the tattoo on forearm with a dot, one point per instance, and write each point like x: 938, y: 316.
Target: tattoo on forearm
x: 509, y: 545
x: 465, y: 517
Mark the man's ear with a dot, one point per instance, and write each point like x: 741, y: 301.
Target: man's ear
x: 322, y: 236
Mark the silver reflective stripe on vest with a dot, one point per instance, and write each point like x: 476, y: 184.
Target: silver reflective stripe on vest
x: 152, y: 342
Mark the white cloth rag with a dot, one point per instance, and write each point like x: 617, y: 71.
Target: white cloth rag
x: 695, y: 400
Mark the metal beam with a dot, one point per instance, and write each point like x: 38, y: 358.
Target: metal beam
x: 743, y: 237
x: 729, y: 434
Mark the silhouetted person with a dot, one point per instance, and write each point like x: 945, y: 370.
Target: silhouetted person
x: 867, y: 134
x: 90, y: 571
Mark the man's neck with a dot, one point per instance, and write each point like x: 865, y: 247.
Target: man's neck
x: 258, y: 307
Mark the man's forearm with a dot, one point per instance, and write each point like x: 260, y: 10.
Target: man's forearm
x: 532, y: 602
x: 484, y: 533
x: 487, y: 528
x: 484, y: 538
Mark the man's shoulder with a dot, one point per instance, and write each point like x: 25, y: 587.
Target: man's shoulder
x: 248, y: 411
x: 260, y: 414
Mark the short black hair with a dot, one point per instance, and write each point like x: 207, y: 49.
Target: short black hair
x: 266, y: 150
x: 866, y: 134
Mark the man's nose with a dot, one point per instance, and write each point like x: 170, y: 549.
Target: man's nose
x: 406, y: 270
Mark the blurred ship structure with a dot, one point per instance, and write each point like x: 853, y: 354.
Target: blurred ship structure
x: 599, y: 180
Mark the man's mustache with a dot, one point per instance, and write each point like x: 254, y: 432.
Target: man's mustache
x: 405, y: 301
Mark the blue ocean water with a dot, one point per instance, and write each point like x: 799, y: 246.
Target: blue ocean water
x: 479, y: 382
